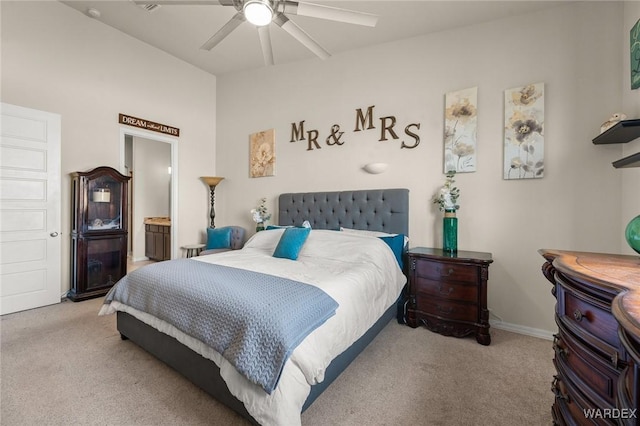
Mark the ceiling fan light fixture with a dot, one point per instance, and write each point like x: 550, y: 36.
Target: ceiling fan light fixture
x: 258, y: 12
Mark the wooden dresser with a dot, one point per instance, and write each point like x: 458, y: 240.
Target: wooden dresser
x: 448, y: 293
x: 597, y: 347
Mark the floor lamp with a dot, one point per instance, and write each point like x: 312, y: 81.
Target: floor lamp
x: 212, y: 181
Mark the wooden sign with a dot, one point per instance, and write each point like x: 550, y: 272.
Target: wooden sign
x: 148, y: 125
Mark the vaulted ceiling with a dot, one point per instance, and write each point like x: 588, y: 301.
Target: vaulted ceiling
x: 182, y: 29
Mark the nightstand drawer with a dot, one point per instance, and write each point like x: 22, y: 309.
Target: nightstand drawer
x: 448, y: 290
x: 447, y: 309
x: 446, y: 271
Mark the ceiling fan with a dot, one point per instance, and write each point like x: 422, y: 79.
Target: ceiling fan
x: 261, y: 13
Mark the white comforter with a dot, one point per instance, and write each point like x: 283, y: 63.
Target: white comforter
x: 359, y: 272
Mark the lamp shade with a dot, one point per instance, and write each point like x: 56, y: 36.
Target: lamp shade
x: 258, y: 12
x: 211, y: 180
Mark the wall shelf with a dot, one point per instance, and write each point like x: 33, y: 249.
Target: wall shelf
x: 631, y: 161
x: 622, y: 132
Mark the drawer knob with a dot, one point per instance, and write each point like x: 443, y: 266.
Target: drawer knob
x: 449, y: 272
x: 577, y: 315
x: 445, y: 309
x: 441, y: 289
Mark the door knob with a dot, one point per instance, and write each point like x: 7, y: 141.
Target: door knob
x: 54, y: 234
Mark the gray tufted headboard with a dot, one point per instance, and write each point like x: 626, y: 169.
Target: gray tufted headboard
x: 374, y: 209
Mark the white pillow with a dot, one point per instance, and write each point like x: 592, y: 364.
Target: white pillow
x: 367, y: 232
x: 265, y: 239
x: 372, y: 233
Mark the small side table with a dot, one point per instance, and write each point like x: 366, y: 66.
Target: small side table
x: 193, y: 249
x: 448, y: 293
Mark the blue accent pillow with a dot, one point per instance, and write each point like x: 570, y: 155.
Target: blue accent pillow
x: 218, y: 238
x: 291, y: 243
x: 278, y: 227
x: 396, y: 243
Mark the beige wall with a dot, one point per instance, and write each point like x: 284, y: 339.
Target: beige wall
x: 631, y: 107
x: 57, y: 59
x: 574, y: 49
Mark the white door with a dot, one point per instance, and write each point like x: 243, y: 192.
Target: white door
x: 29, y: 209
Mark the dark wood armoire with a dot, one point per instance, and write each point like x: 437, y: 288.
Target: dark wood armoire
x: 99, y: 231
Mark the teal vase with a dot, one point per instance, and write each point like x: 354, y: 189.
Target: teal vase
x: 632, y: 234
x: 450, y: 232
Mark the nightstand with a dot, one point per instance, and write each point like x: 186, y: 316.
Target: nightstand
x: 448, y: 292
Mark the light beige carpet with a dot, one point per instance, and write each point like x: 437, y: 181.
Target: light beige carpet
x: 64, y: 365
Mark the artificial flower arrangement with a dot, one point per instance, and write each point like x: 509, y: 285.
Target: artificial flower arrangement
x: 447, y: 196
x: 260, y: 214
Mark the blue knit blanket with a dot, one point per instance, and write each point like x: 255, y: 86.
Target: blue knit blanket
x: 254, y: 320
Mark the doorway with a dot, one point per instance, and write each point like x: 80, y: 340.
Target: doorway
x: 150, y: 180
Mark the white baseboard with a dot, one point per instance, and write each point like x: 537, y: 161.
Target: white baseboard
x: 521, y: 329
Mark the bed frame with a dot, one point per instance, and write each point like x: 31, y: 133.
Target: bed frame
x: 378, y: 210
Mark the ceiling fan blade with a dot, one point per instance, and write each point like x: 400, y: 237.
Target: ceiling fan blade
x: 331, y: 13
x: 184, y: 2
x: 233, y: 23
x: 265, y: 43
x: 300, y: 35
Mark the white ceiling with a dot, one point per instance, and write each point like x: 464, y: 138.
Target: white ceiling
x: 181, y: 30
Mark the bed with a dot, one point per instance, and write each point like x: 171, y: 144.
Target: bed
x: 328, y: 349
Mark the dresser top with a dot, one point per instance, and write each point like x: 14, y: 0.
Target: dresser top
x: 615, y: 271
x: 161, y: 221
x: 460, y: 255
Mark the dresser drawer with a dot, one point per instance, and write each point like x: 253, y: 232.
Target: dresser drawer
x: 583, y: 366
x: 447, y: 290
x: 447, y: 309
x: 441, y: 271
x: 571, y: 404
x: 588, y: 316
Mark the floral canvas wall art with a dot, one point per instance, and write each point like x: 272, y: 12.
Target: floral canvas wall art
x: 460, y: 125
x: 634, y: 44
x: 262, y: 153
x: 524, y: 132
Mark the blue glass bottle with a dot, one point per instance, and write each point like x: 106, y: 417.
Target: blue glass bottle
x: 450, y: 232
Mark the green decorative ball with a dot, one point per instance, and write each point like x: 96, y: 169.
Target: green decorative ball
x: 632, y: 233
